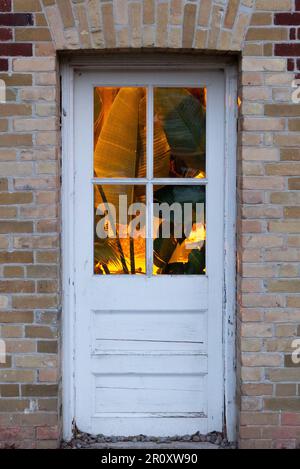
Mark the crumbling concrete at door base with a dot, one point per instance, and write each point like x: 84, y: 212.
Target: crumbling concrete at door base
x: 213, y: 440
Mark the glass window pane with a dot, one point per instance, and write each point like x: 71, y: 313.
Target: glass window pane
x: 179, y: 132
x: 179, y: 230
x: 119, y: 132
x: 119, y: 229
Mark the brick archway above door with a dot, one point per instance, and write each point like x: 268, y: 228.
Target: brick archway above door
x: 206, y: 24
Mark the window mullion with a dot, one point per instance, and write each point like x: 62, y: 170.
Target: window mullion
x: 149, y: 130
x: 149, y: 200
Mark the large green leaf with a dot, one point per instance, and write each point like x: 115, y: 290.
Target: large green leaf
x: 184, y: 120
x: 166, y: 252
x: 106, y: 252
x: 181, y: 194
x: 196, y: 264
x: 163, y: 249
x: 116, y: 149
x: 161, y: 148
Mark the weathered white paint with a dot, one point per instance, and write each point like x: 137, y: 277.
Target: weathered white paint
x: 195, y: 359
x: 229, y: 324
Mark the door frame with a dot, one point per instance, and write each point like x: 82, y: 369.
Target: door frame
x: 148, y: 61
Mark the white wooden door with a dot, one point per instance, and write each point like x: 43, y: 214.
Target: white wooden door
x: 148, y: 336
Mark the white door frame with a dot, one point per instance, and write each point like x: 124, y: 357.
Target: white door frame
x: 179, y: 62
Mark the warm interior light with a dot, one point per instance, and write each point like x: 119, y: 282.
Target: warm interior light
x: 179, y: 147
x: 239, y: 102
x: 139, y: 258
x: 195, y: 240
x: 201, y: 175
x: 196, y: 237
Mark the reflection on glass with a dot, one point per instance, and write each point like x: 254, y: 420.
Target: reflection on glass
x: 119, y: 229
x: 179, y: 132
x: 119, y: 132
x: 179, y: 230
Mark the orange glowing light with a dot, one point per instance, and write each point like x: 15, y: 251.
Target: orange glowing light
x: 200, y: 175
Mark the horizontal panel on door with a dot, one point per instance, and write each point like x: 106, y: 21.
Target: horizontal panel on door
x: 150, y: 393
x: 181, y: 364
x: 165, y: 295
x: 165, y: 331
x: 148, y: 424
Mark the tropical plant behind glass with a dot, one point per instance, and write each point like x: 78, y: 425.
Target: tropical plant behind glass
x: 120, y: 151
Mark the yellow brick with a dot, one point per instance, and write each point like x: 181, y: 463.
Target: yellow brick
x: 40, y: 19
x: 263, y: 124
x: 252, y: 50
x: 83, y: 27
x: 66, y: 12
x: 261, y: 19
x: 176, y: 11
x: 135, y: 24
x: 56, y: 26
x: 294, y: 125
x: 108, y: 26
x: 148, y: 11
x: 204, y: 12
x: 251, y: 64
x: 188, y: 25
x: 214, y: 30
x: 274, y: 5
x: 267, y: 34
x: 123, y: 37
x: 175, y: 37
x: 283, y: 169
x: 256, y: 93
x: 284, y: 227
x: 240, y: 31
x: 231, y: 12
x: 25, y: 6
x: 15, y: 140
x: 200, y: 39
x: 162, y: 25
x: 34, y: 65
x: 32, y: 34
x: 225, y: 40
x: 3, y: 304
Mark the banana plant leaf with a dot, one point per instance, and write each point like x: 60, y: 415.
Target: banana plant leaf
x: 183, y: 118
x: 100, y: 195
x: 196, y: 263
x: 194, y: 266
x: 103, y: 99
x: 181, y: 194
x: 168, y: 250
x: 106, y: 252
x: 116, y: 149
x: 163, y: 249
x: 161, y: 148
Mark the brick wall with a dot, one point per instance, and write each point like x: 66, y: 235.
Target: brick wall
x: 268, y: 241
x: 29, y: 228
x: 265, y: 36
